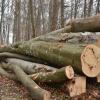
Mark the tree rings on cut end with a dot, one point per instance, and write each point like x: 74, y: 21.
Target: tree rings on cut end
x: 69, y: 72
x: 90, y: 60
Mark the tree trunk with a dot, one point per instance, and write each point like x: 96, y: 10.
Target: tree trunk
x: 63, y: 54
x: 59, y: 75
x: 36, y: 92
x: 85, y: 6
x: 32, y: 18
x: 68, y: 38
x: 5, y: 73
x: 30, y: 67
x: 90, y: 7
x: 91, y: 24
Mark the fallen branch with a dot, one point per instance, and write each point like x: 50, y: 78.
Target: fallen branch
x: 13, y: 55
x: 36, y: 92
x: 59, y: 75
x: 61, y: 54
x: 30, y: 67
x: 5, y: 73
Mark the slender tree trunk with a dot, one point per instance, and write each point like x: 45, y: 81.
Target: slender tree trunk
x: 16, y: 27
x: 75, y: 9
x: 84, y: 8
x: 62, y: 13
x: 90, y: 7
x: 53, y: 14
x: 32, y: 18
x: 1, y: 21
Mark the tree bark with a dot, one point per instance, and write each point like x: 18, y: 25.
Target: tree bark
x: 36, y: 92
x: 61, y: 54
x: 5, y: 73
x: 68, y: 38
x: 91, y: 24
x: 14, y: 55
x: 30, y: 67
x: 59, y: 75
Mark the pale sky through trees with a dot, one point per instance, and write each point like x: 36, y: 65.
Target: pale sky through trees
x: 17, y: 16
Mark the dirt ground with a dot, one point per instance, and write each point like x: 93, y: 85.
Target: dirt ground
x: 11, y: 90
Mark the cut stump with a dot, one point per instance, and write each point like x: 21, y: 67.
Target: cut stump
x: 77, y: 86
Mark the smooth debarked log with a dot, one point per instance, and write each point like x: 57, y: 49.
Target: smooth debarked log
x: 3, y: 72
x: 78, y: 37
x: 62, y: 54
x: 58, y: 75
x: 90, y: 24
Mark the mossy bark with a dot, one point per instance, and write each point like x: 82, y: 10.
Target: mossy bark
x: 59, y: 54
x: 60, y: 75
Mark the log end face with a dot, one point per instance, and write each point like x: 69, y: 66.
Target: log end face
x: 69, y: 72
x: 47, y: 95
x: 77, y: 86
x: 90, y: 60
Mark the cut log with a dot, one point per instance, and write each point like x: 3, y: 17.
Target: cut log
x: 58, y: 54
x: 5, y: 73
x: 59, y: 75
x: 30, y: 67
x: 13, y: 55
x: 90, y: 59
x: 36, y: 92
x: 76, y: 86
x: 98, y: 78
x: 61, y: 54
x: 91, y: 24
x: 68, y: 38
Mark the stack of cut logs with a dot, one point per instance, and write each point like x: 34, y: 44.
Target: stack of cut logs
x: 56, y: 57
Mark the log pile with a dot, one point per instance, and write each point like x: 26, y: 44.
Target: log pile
x: 56, y: 57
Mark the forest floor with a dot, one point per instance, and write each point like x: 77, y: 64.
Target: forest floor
x: 11, y: 90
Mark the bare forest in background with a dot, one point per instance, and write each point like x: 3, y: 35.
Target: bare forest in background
x: 25, y: 19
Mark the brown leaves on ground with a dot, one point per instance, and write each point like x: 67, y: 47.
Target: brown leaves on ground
x: 11, y: 90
